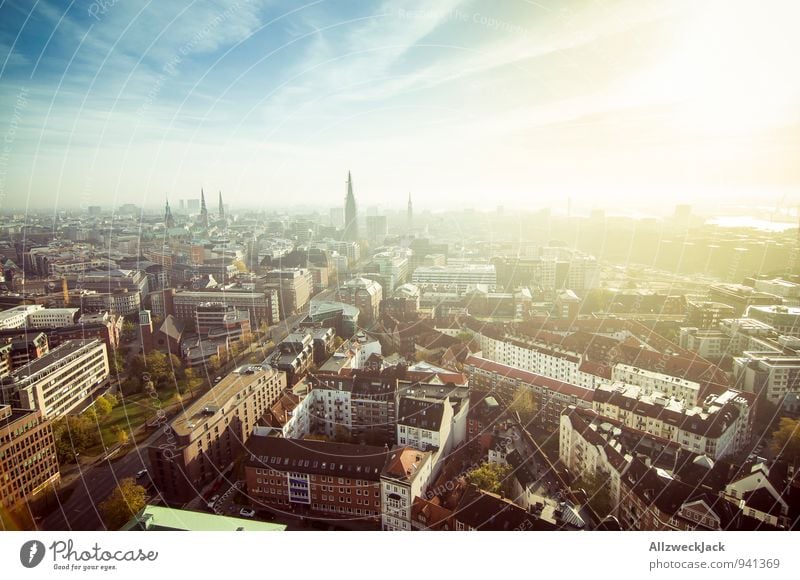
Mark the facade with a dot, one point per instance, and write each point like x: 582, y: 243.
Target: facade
x: 784, y: 319
x: 53, y: 317
x: 27, y: 456
x: 721, y: 426
x: 295, y: 286
x: 257, y: 304
x: 364, y: 294
x: 654, y: 382
x: 424, y: 423
x: 459, y: 277
x: 60, y: 381
x: 204, y: 440
x: 550, y: 396
x: 18, y: 315
x: 316, y: 478
x: 712, y: 345
x: 405, y: 477
x: 770, y: 375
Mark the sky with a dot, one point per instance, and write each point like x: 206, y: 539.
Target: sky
x: 635, y: 104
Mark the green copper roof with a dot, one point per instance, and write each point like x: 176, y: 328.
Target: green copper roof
x: 153, y: 517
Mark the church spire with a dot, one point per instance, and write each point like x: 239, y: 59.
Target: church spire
x: 350, y: 215
x: 409, y: 213
x: 221, y: 208
x: 169, y: 221
x: 203, y: 209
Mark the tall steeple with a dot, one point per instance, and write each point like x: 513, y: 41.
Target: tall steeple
x: 169, y: 221
x: 409, y: 213
x: 203, y: 209
x: 221, y: 216
x: 350, y: 215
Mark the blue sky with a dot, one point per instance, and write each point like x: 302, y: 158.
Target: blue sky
x: 644, y: 103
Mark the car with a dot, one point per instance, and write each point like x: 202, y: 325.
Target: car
x: 213, y: 501
x: 217, y: 379
x: 141, y: 473
x: 247, y: 512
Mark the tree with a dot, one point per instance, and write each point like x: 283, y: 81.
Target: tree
x: 159, y: 367
x: 341, y: 434
x: 786, y: 440
x: 598, y: 492
x: 75, y: 434
x: 492, y: 477
x: 125, y: 502
x: 102, y: 407
x: 121, y: 435
x: 111, y: 399
x: 525, y: 404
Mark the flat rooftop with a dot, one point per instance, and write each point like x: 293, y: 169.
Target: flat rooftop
x: 62, y: 351
x: 159, y: 518
x: 218, y: 396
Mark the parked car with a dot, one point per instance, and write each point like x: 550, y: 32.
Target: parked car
x: 247, y: 512
x: 212, y: 502
x: 140, y: 474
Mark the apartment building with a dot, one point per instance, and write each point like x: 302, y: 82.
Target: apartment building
x: 405, y: 477
x: 27, y: 456
x: 720, y: 426
x: 204, y: 440
x: 316, y: 478
x: 60, y: 381
x: 654, y: 382
x: 771, y: 375
x: 551, y: 396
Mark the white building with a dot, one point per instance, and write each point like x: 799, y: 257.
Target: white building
x: 53, y: 317
x: 720, y: 426
x: 405, y: 476
x: 769, y: 374
x: 458, y: 276
x: 59, y: 381
x: 655, y: 382
x: 17, y: 316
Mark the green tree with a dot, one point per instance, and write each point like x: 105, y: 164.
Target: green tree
x: 111, y: 399
x: 102, y: 407
x: 121, y: 435
x: 492, y: 477
x: 525, y: 404
x: 126, y: 501
x: 341, y: 434
x: 158, y: 366
x: 75, y: 434
x: 786, y: 440
x: 598, y: 492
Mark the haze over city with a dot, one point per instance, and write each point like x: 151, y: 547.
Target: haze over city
x: 523, y: 104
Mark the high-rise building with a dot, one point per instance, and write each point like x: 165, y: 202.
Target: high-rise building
x: 27, y: 456
x: 350, y: 215
x: 409, y: 214
x: 221, y: 216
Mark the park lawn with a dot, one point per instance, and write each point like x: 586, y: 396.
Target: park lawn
x: 134, y: 410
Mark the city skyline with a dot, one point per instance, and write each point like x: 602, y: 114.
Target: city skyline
x: 524, y: 103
